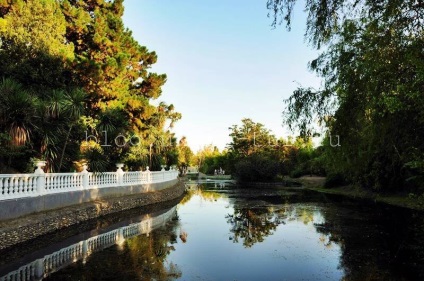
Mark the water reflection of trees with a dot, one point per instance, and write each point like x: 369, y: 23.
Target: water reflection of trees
x: 377, y: 244
x: 139, y: 258
x: 252, y: 225
x: 148, y: 255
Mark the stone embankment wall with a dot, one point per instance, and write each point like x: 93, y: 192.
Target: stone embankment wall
x: 17, y: 207
x: 25, y: 228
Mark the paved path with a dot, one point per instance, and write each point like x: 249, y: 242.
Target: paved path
x: 313, y: 181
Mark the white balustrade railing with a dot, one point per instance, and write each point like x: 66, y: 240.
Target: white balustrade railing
x: 102, y: 179
x: 53, y: 262
x: 13, y: 186
x: 62, y: 182
x: 17, y: 185
x: 134, y: 177
x: 161, y: 176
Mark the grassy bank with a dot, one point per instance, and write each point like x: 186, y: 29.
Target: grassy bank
x: 410, y: 201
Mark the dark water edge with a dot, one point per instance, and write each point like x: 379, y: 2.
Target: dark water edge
x: 380, y: 241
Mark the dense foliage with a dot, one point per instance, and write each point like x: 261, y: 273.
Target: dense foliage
x: 75, y: 86
x: 185, y: 155
x: 372, y: 68
x: 211, y: 161
x: 255, y: 154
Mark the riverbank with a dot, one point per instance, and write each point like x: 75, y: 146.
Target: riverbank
x: 410, y: 201
x: 28, y: 227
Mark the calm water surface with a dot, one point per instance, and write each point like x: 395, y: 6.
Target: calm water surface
x: 222, y: 233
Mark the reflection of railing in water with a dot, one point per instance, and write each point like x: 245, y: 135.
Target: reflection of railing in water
x: 216, y: 183
x: 51, y: 263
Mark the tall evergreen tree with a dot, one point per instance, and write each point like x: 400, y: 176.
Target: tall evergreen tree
x: 57, y: 49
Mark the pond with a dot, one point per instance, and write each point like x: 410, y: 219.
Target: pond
x: 220, y: 232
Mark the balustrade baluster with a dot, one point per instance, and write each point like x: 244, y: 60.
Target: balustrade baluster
x: 55, y: 182
x: 12, y: 186
x: 33, y: 184
x: 6, y: 187
x: 71, y: 179
x: 78, y: 182
x: 15, y: 186
x: 32, y: 272
x: 49, y: 263
x: 49, y: 183
x: 61, y: 183
x: 25, y: 273
x: 20, y: 185
x: 25, y: 181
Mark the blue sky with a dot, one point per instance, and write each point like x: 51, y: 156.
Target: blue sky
x: 223, y: 61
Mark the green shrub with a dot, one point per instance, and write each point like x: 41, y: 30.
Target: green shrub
x: 334, y: 180
x: 297, y: 173
x: 256, y: 168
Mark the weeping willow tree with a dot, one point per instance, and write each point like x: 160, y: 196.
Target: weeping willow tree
x: 372, y: 68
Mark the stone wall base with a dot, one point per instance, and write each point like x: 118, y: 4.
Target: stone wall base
x: 25, y: 228
x: 15, y: 208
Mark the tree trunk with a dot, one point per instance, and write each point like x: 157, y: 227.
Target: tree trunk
x: 64, y: 148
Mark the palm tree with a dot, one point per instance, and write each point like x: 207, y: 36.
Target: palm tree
x: 60, y: 110
x: 74, y: 107
x: 17, y: 111
x: 51, y: 125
